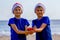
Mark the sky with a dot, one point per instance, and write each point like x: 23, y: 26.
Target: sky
x: 52, y: 8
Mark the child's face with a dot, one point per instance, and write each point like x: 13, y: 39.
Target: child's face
x: 39, y: 11
x: 17, y: 11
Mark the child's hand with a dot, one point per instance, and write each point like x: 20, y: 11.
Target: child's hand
x: 31, y: 31
x: 26, y: 32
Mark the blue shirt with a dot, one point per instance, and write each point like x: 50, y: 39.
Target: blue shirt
x: 46, y: 33
x: 20, y: 23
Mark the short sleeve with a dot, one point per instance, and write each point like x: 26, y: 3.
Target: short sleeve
x: 26, y: 22
x: 11, y: 21
x: 46, y: 20
x: 33, y: 23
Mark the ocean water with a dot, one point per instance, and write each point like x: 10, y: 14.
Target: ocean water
x: 5, y: 29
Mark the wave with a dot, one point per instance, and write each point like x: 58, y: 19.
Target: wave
x: 4, y: 33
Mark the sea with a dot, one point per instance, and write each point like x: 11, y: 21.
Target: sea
x: 5, y: 29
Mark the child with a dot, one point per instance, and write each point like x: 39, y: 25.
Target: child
x: 41, y: 25
x: 18, y: 25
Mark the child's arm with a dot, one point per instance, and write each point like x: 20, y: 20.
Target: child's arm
x: 41, y: 28
x: 17, y: 30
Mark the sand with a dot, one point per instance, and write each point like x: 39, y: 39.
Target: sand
x: 55, y: 37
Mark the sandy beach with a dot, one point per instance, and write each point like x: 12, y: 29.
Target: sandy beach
x: 55, y: 37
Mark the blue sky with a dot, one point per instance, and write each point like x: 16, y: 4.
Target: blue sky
x: 52, y: 8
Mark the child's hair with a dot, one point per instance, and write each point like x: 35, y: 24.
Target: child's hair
x: 40, y: 5
x: 17, y: 5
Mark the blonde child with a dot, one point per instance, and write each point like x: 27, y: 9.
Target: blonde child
x: 41, y: 24
x: 17, y: 24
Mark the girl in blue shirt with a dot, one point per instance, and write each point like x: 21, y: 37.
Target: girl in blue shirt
x: 41, y: 25
x: 18, y: 25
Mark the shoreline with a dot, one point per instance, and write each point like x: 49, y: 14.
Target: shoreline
x: 54, y: 37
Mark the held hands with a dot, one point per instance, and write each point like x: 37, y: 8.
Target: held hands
x: 28, y: 30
